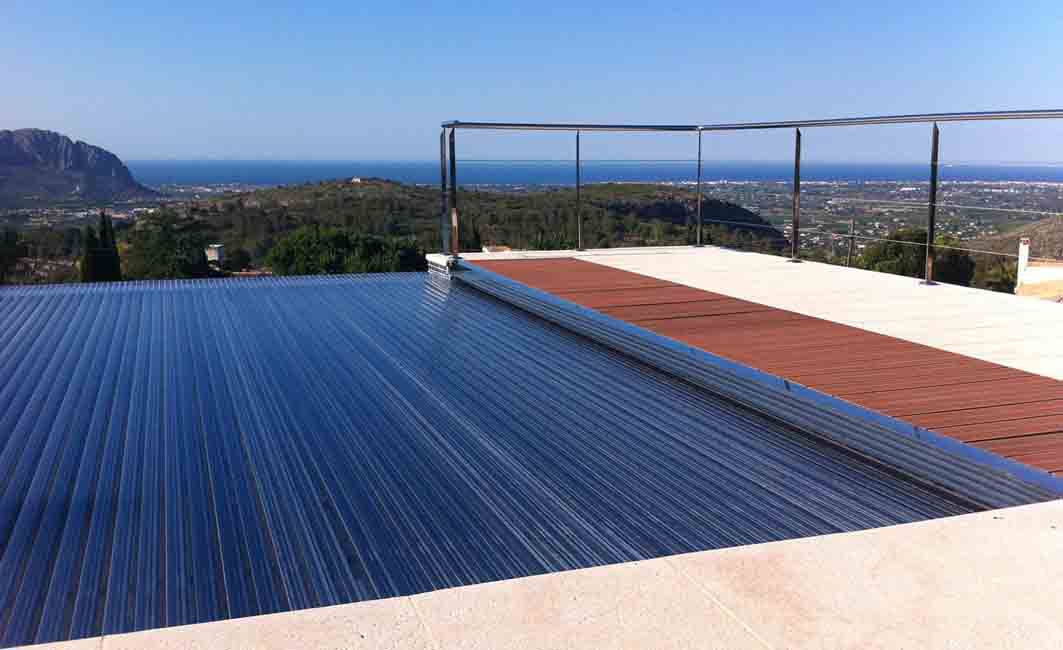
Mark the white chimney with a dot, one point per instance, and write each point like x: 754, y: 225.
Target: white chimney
x: 1024, y: 259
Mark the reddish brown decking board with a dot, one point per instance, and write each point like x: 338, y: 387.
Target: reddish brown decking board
x: 1009, y: 412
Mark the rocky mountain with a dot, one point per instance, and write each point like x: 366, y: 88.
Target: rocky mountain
x: 43, y: 166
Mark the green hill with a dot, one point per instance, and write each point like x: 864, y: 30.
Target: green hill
x: 377, y: 224
x: 613, y: 215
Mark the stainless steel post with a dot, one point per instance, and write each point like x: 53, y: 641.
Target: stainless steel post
x: 795, y: 243
x: 444, y: 230
x: 699, y: 189
x: 455, y: 231
x: 579, y: 212
x: 852, y: 232
x: 931, y: 215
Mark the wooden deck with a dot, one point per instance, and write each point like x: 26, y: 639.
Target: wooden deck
x: 1010, y: 412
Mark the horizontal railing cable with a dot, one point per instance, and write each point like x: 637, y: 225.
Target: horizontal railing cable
x: 909, y: 204
x: 844, y: 236
x: 940, y: 245
x: 744, y: 224
x: 924, y: 204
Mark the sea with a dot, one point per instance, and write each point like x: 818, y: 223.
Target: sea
x: 524, y: 173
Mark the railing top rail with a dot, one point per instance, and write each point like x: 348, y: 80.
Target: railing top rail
x: 1043, y: 114
x: 532, y: 126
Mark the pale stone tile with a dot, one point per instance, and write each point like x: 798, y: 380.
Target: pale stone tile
x: 378, y: 625
x: 525, y: 612
x: 648, y: 605
x: 92, y: 643
x: 632, y: 605
x: 988, y: 580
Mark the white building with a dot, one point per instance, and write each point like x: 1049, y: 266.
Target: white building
x: 215, y: 254
x: 1038, y: 278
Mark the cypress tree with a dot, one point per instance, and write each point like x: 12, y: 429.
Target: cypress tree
x: 89, y: 256
x: 9, y: 251
x: 116, y: 261
x: 108, y: 264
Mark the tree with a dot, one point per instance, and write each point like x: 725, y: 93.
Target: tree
x: 316, y: 250
x: 109, y: 264
x: 470, y: 237
x: 164, y: 246
x: 10, y: 249
x: 951, y: 265
x: 99, y: 257
x: 904, y: 255
x: 72, y: 244
x: 998, y: 275
x: 89, y: 256
x: 237, y: 259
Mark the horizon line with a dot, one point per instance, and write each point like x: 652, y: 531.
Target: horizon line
x: 1044, y: 163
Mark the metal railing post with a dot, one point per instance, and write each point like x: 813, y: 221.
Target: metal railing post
x: 932, y: 211
x: 579, y: 211
x: 795, y: 243
x: 444, y: 230
x: 455, y: 231
x: 699, y: 188
x: 852, y: 238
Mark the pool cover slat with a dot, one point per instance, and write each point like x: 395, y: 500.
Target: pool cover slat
x: 180, y: 452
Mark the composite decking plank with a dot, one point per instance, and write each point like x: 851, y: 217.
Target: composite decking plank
x: 1007, y: 429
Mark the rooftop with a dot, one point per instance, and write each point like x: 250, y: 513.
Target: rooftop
x: 653, y: 447
x: 179, y: 452
x: 977, y: 366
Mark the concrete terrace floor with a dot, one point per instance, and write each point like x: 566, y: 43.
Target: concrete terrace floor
x: 962, y: 582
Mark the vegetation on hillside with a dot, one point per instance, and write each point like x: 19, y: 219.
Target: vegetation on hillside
x: 10, y: 249
x: 905, y: 254
x: 1046, y: 239
x: 996, y: 274
x: 375, y: 225
x: 378, y: 225
x: 613, y: 215
x: 165, y: 246
x: 40, y: 255
x: 100, y: 261
x: 316, y: 250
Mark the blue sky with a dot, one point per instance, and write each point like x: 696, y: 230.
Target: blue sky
x: 353, y: 80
